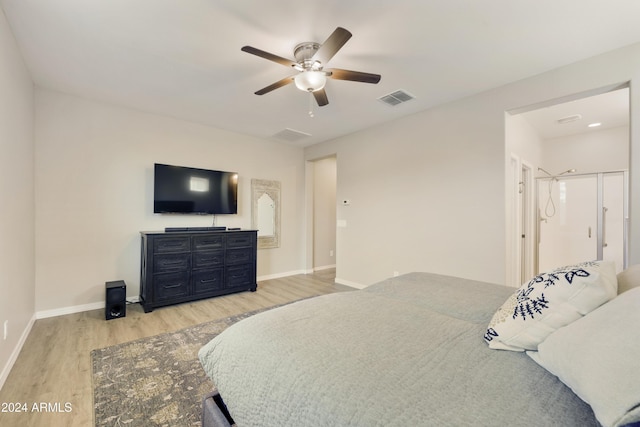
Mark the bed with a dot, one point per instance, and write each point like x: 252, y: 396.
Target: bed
x: 409, y: 351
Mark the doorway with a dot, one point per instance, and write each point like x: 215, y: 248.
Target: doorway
x: 323, y: 175
x: 589, y: 133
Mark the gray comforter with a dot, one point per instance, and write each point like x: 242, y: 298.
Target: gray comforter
x: 407, y: 351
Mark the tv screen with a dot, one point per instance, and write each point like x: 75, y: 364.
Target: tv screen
x: 178, y: 189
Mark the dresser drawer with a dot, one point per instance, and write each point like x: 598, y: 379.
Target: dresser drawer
x: 171, y: 285
x: 208, y: 259
x: 171, y: 262
x: 203, y: 243
x: 241, y: 275
x: 235, y: 240
x: 171, y: 244
x: 239, y: 256
x: 207, y: 280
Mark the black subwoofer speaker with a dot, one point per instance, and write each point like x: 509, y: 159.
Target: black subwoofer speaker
x: 116, y: 300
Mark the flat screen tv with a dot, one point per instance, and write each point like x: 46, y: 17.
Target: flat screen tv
x: 178, y: 189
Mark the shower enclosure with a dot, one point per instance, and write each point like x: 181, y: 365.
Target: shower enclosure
x: 582, y: 217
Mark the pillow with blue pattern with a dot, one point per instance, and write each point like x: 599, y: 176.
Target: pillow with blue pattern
x: 548, y: 302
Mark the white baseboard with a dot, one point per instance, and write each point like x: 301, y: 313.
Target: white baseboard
x: 324, y: 267
x: 280, y: 275
x: 293, y: 273
x: 69, y: 310
x: 349, y: 283
x: 77, y: 308
x: 16, y: 351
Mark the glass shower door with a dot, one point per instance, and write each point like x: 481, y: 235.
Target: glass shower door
x: 567, y: 232
x: 581, y: 218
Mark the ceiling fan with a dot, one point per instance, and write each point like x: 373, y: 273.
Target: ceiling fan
x: 310, y: 59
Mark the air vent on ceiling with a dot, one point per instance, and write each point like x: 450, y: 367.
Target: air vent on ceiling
x: 569, y: 119
x: 291, y: 135
x: 397, y: 97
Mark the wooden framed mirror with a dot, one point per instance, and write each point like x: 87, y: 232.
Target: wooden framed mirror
x: 265, y: 212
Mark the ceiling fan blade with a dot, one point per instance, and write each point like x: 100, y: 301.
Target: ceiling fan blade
x: 354, y: 76
x: 321, y: 97
x: 270, y: 56
x: 275, y: 85
x: 332, y: 45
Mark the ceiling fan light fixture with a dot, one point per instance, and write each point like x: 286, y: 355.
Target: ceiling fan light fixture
x: 310, y: 81
x: 310, y: 60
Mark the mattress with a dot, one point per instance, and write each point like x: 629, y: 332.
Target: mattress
x: 406, y: 351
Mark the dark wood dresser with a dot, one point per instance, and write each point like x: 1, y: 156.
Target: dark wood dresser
x: 183, y: 266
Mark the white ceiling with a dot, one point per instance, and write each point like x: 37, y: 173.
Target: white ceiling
x: 183, y: 59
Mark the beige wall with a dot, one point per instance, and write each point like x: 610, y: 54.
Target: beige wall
x: 428, y: 191
x: 94, y: 193
x: 595, y: 151
x: 522, y: 140
x: 418, y: 187
x: 17, y: 267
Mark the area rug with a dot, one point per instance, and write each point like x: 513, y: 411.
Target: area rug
x: 155, y: 381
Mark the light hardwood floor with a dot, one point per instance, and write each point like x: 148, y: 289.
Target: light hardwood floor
x: 54, y: 365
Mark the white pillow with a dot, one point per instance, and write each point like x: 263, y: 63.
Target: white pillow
x: 549, y: 301
x: 598, y: 356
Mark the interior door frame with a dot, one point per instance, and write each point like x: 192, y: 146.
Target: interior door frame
x: 527, y: 226
x: 521, y: 244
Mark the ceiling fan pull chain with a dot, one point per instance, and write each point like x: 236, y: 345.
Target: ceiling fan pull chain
x: 311, y: 104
